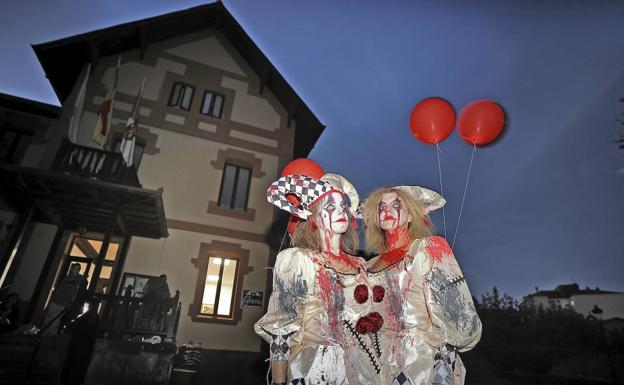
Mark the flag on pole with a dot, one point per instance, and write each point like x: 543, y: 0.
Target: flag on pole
x: 129, y: 139
x: 102, y: 127
x: 74, y: 123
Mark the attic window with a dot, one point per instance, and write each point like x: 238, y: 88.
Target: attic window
x: 181, y: 96
x: 212, y: 104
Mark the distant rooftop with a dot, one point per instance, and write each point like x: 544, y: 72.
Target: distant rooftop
x: 567, y: 291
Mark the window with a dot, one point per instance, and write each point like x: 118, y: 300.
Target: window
x: 139, y: 148
x: 212, y: 105
x: 234, y: 187
x: 84, y: 251
x: 181, y: 96
x: 219, y: 288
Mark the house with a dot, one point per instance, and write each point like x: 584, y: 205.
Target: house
x: 217, y: 124
x: 580, y: 300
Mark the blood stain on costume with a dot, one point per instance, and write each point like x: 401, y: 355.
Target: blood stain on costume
x: 331, y: 292
x: 290, y: 293
x: 437, y: 248
x: 394, y: 302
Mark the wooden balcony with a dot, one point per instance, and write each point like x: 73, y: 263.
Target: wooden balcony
x: 94, y: 163
x: 136, y: 316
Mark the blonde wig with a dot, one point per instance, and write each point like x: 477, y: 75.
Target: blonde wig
x: 420, y: 226
x: 307, y: 235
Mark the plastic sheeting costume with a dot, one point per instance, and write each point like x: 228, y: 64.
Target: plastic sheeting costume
x: 428, y: 311
x: 313, y: 314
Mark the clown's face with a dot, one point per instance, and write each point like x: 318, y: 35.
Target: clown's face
x: 333, y: 213
x: 391, y: 212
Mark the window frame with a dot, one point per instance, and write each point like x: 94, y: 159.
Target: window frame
x: 219, y: 249
x: 212, y: 103
x: 215, y: 313
x: 178, y: 102
x: 234, y: 187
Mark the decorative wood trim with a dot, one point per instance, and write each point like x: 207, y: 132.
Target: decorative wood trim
x: 248, y: 215
x: 219, y: 249
x: 202, y: 77
x: 215, y: 230
x: 238, y: 158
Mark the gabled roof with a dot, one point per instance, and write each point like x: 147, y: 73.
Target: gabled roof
x: 62, y: 60
x: 567, y: 291
x: 15, y: 103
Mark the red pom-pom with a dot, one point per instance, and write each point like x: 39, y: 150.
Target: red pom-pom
x: 369, y: 323
x: 378, y: 293
x: 375, y: 321
x: 362, y: 325
x: 361, y: 293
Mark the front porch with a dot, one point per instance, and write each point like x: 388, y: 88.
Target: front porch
x: 91, y: 205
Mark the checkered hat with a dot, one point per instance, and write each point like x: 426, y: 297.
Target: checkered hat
x: 307, y: 189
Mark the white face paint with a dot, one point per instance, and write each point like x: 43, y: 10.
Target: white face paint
x: 333, y: 215
x: 391, y: 212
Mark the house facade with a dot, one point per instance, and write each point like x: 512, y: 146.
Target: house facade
x: 217, y: 123
x: 580, y: 300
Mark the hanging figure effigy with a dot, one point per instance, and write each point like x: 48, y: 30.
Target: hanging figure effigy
x: 428, y: 312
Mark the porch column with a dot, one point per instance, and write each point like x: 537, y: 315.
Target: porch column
x: 16, y: 243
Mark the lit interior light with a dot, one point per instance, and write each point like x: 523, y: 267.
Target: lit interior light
x: 216, y: 261
x: 213, y: 278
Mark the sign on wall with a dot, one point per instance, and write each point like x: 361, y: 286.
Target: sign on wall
x: 252, y: 298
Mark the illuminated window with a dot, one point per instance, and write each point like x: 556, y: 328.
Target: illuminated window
x: 84, y: 251
x: 181, y: 96
x: 234, y: 187
x: 219, y: 287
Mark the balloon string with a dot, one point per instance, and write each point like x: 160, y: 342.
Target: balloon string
x: 283, y: 238
x: 461, y: 209
x: 438, y: 152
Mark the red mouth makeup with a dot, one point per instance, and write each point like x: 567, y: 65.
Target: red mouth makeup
x: 388, y: 218
x: 340, y: 220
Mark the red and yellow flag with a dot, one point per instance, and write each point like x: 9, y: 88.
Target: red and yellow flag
x: 102, y: 126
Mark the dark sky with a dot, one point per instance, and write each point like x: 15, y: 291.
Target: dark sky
x: 545, y: 204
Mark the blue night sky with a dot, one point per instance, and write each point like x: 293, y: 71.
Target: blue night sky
x: 545, y: 204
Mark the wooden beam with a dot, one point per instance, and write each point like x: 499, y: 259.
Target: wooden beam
x: 47, y: 210
x: 103, y: 250
x: 143, y: 41
x: 94, y: 54
x: 121, y: 224
x: 86, y: 248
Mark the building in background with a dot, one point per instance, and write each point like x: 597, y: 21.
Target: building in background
x: 217, y: 123
x: 580, y: 300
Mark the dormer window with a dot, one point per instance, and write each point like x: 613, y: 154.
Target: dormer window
x: 181, y: 96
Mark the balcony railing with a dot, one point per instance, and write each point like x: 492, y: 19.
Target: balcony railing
x: 138, y: 316
x: 94, y: 163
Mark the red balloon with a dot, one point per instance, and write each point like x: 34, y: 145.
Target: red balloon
x: 480, y: 122
x: 293, y: 221
x: 304, y: 166
x: 432, y: 120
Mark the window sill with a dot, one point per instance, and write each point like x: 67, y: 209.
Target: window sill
x: 214, y: 319
x: 248, y: 215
